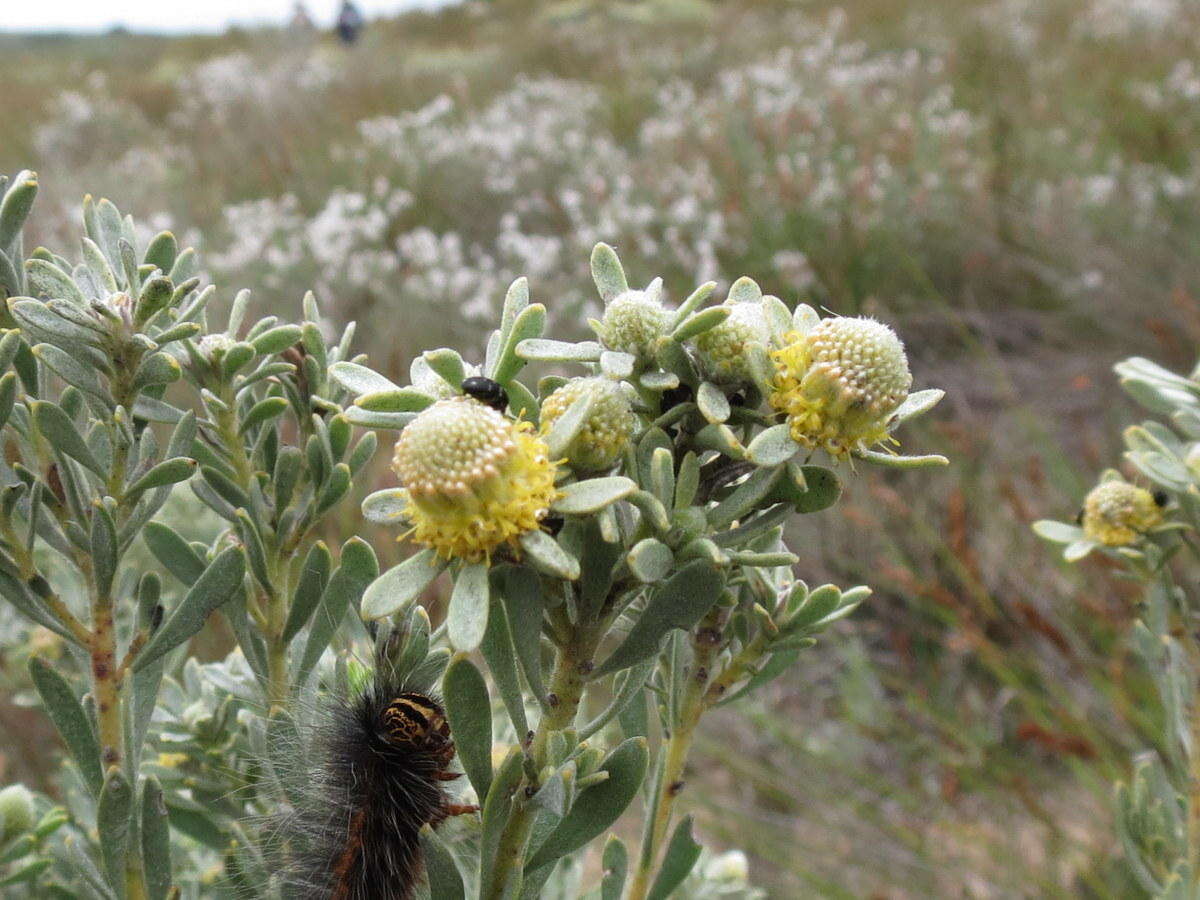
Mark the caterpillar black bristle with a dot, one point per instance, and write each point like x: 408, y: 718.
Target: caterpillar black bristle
x: 383, y: 759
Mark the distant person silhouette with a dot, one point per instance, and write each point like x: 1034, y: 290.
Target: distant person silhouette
x: 349, y: 23
x: 301, y: 22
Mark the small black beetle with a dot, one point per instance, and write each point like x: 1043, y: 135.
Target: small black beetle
x: 486, y: 391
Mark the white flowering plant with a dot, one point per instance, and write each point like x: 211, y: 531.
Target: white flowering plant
x: 1146, y: 527
x: 612, y: 536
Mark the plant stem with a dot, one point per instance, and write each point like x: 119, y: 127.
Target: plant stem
x: 1193, y: 773
x: 105, y: 688
x: 567, y: 682
x: 706, y: 641
x: 273, y: 604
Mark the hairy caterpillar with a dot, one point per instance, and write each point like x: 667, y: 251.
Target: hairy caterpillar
x: 384, y: 753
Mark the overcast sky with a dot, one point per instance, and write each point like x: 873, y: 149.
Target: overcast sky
x: 163, y: 15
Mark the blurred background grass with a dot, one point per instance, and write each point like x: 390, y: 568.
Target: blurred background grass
x: 1013, y: 184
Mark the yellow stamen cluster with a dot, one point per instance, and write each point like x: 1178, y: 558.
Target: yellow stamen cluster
x: 606, y: 431
x: 475, y: 479
x: 723, y: 349
x: 633, y: 322
x: 840, y: 383
x: 1116, y: 513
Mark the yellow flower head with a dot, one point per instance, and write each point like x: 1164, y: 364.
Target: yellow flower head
x: 840, y: 383
x: 475, y: 480
x: 723, y: 349
x: 1116, y: 513
x: 607, y: 430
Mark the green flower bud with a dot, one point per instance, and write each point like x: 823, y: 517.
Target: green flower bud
x: 633, y: 322
x: 722, y: 350
x: 16, y: 811
x: 608, y: 428
x: 214, y: 346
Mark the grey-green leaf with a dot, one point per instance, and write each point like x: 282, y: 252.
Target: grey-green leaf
x: 447, y: 364
x: 395, y: 400
x: 772, y: 446
x: 586, y: 497
x: 598, y: 807
x: 266, y: 410
x: 568, y: 425
x: 72, y: 723
x: 497, y: 808
x: 469, y: 711
x: 498, y: 649
x: 528, y: 326
x: 169, y: 471
x: 467, y: 618
x: 650, y: 560
x: 445, y: 881
x: 679, y: 602
x: 558, y: 351
x: 58, y: 429
x: 546, y: 554
x: 105, y: 553
x: 212, y: 589
x: 681, y: 855
x: 175, y: 554
x: 401, y: 584
x: 314, y: 575
x: 386, y: 507
x: 615, y: 861
x: 607, y: 272
x: 278, y: 339
x: 713, y: 403
x: 809, y: 489
x: 113, y: 814
x: 357, y: 569
x: 700, y: 322
x: 522, y: 593
x: 359, y: 379
x: 156, y: 840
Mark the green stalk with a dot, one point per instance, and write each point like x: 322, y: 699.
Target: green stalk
x: 697, y: 699
x: 567, y: 684
x: 105, y: 689
x: 272, y: 607
x: 1193, y: 764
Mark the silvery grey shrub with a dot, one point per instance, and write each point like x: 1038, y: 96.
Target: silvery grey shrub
x: 1147, y: 527
x: 613, y: 534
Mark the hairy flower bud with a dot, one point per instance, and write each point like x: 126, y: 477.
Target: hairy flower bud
x: 606, y: 431
x: 213, y: 346
x: 633, y: 322
x: 839, y: 383
x: 16, y: 811
x: 730, y: 867
x: 722, y: 349
x: 121, y: 306
x: 1116, y: 513
x: 475, y: 479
